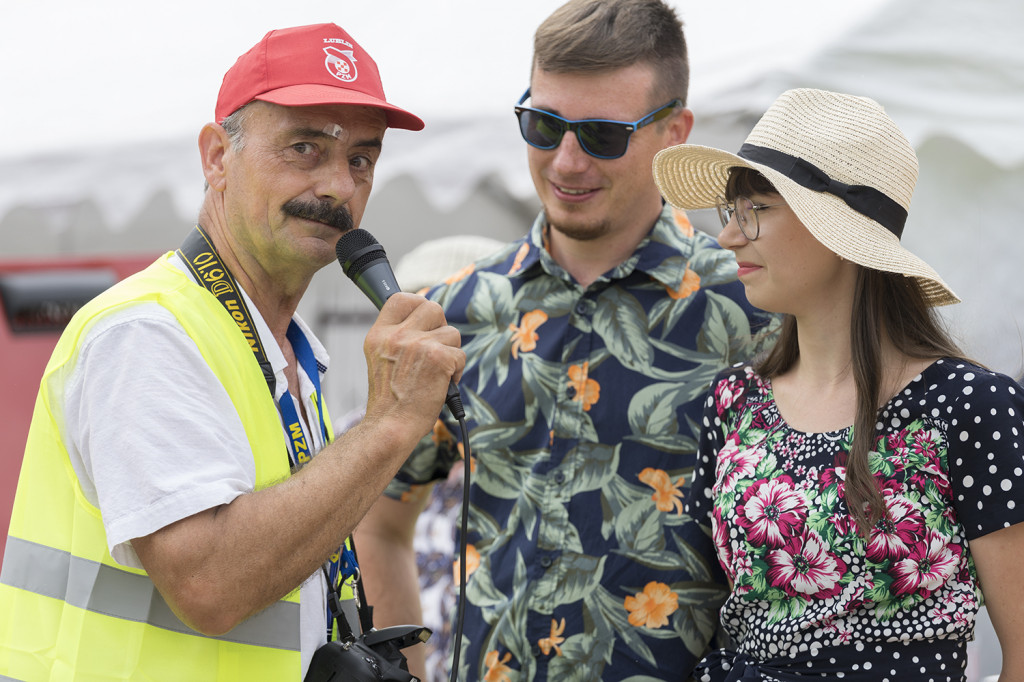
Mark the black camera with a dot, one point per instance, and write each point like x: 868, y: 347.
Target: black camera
x: 375, y: 656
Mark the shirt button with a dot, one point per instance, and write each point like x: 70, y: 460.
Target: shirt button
x: 559, y: 477
x: 581, y: 307
x: 545, y: 561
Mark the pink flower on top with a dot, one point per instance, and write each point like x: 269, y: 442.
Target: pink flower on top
x: 753, y: 377
x: 806, y: 567
x: 842, y: 522
x: 926, y: 442
x: 720, y: 536
x: 932, y: 471
x: 772, y: 512
x: 896, y: 439
x: 930, y: 564
x: 834, y: 476
x: 892, y: 538
x: 734, y: 464
x: 727, y: 393
x: 744, y: 562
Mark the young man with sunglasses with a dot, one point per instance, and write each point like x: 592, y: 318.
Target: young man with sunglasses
x: 590, y: 345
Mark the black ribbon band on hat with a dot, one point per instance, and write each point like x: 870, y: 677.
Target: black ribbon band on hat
x: 865, y: 200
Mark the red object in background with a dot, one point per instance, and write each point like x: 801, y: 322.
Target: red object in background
x: 37, y: 298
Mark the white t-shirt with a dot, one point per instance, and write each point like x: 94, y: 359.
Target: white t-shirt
x: 154, y: 437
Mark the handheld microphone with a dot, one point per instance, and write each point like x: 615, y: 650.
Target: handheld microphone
x: 363, y: 259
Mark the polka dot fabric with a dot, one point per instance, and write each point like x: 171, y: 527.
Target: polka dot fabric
x: 810, y: 596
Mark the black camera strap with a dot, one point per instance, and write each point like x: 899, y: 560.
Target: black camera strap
x: 203, y: 260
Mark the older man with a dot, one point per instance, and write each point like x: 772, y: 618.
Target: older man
x: 171, y: 520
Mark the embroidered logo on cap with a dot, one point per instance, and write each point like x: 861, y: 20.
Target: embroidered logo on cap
x: 341, y: 64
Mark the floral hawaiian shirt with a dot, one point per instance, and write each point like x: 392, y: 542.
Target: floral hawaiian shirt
x: 583, y: 407
x: 810, y: 596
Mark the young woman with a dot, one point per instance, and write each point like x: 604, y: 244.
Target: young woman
x: 864, y: 482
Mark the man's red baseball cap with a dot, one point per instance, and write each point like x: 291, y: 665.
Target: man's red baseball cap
x: 304, y: 66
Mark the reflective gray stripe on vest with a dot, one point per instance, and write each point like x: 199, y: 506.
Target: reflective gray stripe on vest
x: 104, y: 589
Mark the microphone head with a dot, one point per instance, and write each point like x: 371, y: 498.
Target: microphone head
x: 357, y: 250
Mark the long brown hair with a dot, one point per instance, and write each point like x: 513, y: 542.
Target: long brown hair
x: 885, y: 305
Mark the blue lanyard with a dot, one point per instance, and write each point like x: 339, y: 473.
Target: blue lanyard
x: 300, y: 453
x: 342, y: 564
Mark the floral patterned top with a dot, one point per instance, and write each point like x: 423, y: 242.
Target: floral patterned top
x: 810, y: 596
x: 583, y: 406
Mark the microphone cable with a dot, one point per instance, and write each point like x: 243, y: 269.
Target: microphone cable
x: 463, y: 531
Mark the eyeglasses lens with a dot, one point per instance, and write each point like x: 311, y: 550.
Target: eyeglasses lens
x: 746, y: 217
x: 724, y: 211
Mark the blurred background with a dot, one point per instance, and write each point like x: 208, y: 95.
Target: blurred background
x: 103, y: 101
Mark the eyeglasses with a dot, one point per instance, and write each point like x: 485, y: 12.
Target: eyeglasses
x: 745, y: 211
x: 601, y: 138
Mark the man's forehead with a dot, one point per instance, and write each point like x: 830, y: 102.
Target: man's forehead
x: 330, y: 119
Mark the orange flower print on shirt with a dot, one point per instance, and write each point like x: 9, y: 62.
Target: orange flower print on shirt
x: 525, y: 335
x: 689, y: 285
x: 461, y: 274
x: 652, y: 607
x: 472, y: 563
x: 546, y: 644
x: 588, y: 391
x: 497, y: 670
x: 667, y: 495
x: 416, y: 493
x: 441, y: 433
x: 682, y: 221
x: 517, y: 263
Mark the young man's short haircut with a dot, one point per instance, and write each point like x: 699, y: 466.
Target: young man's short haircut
x: 604, y: 35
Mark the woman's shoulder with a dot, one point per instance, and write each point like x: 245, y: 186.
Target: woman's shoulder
x: 964, y: 393
x: 957, y: 378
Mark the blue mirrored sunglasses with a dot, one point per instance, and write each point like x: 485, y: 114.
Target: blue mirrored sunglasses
x: 599, y: 137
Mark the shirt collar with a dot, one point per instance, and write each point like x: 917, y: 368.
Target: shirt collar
x: 663, y: 254
x: 274, y: 353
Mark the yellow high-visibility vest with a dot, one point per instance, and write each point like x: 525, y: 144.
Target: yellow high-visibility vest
x: 68, y: 611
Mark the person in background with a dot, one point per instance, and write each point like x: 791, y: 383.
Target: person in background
x: 862, y: 477
x: 590, y: 342
x: 182, y: 509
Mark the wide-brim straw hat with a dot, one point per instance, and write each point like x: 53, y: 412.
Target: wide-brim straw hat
x: 837, y: 160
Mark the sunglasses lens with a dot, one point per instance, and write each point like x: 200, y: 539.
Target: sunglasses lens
x: 603, y: 139
x: 540, y: 130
